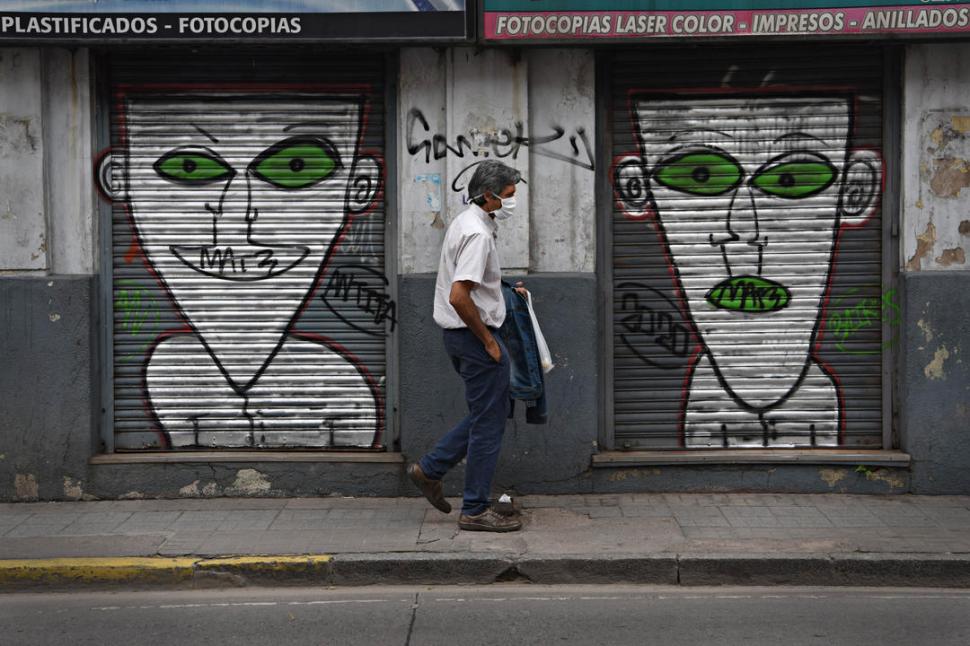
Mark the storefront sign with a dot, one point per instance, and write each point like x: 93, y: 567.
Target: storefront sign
x: 572, y: 20
x: 266, y: 20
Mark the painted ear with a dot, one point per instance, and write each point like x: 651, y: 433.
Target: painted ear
x: 861, y: 182
x: 365, y: 184
x: 631, y: 188
x: 108, y: 175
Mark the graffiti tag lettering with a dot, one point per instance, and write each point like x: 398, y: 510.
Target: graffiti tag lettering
x: 651, y: 319
x: 504, y: 142
x: 353, y: 284
x: 864, y: 314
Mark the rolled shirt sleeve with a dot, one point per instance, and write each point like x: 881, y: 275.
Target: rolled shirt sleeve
x: 471, y: 257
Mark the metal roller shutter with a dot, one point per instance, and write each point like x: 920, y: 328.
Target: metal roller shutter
x: 250, y: 299
x: 747, y: 296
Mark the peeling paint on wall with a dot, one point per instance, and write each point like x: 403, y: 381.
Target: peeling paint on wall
x: 25, y: 486
x: 72, y: 488
x: 926, y: 329
x: 887, y: 476
x: 953, y: 256
x: 960, y: 123
x: 832, y: 477
x: 249, y: 482
x: 934, y: 369
x: 934, y: 221
x: 192, y: 490
x: 632, y: 474
x: 950, y: 176
x: 924, y: 245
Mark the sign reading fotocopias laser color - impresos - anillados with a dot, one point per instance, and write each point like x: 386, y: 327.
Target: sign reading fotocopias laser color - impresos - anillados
x: 620, y: 20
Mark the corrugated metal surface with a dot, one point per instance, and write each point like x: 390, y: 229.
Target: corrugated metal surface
x: 747, y: 296
x: 250, y: 301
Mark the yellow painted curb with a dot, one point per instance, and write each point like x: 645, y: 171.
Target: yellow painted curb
x: 155, y: 569
x: 91, y: 570
x: 267, y: 566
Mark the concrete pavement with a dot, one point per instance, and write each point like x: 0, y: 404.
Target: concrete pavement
x: 688, y: 539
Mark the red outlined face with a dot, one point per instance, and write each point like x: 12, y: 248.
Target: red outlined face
x: 239, y: 196
x: 749, y: 194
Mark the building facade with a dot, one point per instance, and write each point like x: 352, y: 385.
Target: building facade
x: 746, y: 243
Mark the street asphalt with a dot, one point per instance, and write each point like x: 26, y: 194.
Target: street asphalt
x: 500, y: 614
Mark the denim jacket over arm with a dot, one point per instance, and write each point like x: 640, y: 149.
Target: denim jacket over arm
x: 526, y: 381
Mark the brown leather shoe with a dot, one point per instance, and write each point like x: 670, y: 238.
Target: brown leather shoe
x: 489, y: 521
x: 431, y: 489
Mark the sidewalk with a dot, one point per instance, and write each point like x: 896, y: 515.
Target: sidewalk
x: 689, y: 539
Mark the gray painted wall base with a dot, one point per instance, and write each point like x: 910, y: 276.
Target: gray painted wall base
x: 786, y: 478
x: 550, y: 458
x: 50, y: 408
x: 247, y: 479
x: 47, y: 391
x: 935, y: 380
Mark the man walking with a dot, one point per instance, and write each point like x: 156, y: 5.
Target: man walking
x: 470, y: 307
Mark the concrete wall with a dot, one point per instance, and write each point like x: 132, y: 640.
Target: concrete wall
x: 48, y: 259
x: 46, y: 212
x: 535, y: 111
x: 47, y: 386
x: 936, y: 158
x: 934, y: 376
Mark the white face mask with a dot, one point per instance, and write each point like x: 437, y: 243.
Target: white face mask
x: 506, y: 210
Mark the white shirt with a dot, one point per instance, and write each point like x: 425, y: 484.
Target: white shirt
x: 469, y: 253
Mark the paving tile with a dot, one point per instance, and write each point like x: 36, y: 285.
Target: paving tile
x: 184, y: 543
x: 10, y: 520
x: 37, y: 547
x: 200, y: 520
x: 762, y: 532
x: 56, y: 518
x: 300, y: 519
x: 599, y: 512
x: 646, y: 511
x: 699, y: 516
x: 141, y: 522
x: 30, y: 531
x: 104, y: 522
x: 249, y: 519
x: 14, y: 517
x: 709, y: 532
x: 754, y: 521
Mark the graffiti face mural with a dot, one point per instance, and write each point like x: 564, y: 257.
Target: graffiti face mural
x: 750, y: 193
x: 238, y: 200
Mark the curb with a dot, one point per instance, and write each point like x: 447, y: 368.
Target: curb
x: 158, y: 570
x: 421, y: 568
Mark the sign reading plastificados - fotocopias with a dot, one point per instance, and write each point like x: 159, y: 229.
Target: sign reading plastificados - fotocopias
x: 551, y: 20
x: 267, y: 20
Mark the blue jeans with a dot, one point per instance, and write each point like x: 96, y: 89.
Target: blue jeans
x: 478, y: 437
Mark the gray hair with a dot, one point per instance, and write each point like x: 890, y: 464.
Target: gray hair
x: 493, y: 176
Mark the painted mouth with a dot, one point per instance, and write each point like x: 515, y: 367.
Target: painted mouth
x: 749, y: 294
x: 244, y: 264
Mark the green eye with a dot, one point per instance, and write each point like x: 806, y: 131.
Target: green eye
x: 700, y: 173
x: 192, y: 167
x: 296, y: 163
x: 795, y: 179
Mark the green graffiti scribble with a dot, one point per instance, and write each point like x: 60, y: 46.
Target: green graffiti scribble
x: 135, y: 307
x: 866, y: 313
